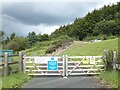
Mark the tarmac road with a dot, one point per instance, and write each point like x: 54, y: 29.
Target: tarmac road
x: 59, y: 82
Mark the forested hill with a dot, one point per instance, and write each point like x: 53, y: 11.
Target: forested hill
x: 104, y: 21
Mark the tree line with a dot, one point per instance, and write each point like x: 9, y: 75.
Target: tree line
x: 104, y: 21
x: 18, y: 43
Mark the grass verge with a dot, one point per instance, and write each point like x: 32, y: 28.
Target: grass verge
x: 14, y: 80
x: 110, y: 78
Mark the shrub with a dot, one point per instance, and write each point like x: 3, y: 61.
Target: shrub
x: 51, y: 49
x: 13, y: 45
x: 109, y: 60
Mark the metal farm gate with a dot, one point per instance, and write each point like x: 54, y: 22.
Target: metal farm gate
x: 39, y: 65
x: 84, y: 65
x: 63, y: 65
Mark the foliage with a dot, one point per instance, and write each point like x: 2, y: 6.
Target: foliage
x: 51, y: 49
x: 110, y: 77
x: 39, y: 48
x: 42, y: 43
x: 104, y: 21
x: 106, y: 27
x: 45, y: 37
x: 14, y: 80
x: 22, y: 43
x: 99, y: 37
x: 13, y: 45
x: 12, y: 69
x: 17, y: 44
x: 58, y: 42
x: 32, y: 38
x: 109, y: 60
x: 2, y: 34
x: 12, y: 36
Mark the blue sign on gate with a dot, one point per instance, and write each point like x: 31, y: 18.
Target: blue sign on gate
x: 52, y: 64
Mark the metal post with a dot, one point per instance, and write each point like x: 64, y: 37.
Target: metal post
x: 66, y: 65
x: 114, y: 60
x: 63, y: 58
x: 6, y: 64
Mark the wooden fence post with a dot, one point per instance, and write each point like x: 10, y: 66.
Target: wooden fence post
x: 105, y: 61
x: 24, y: 62
x: 114, y: 60
x: 118, y: 60
x: 21, y: 62
x: 6, y: 64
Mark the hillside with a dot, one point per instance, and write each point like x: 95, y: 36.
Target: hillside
x: 104, y: 21
x: 91, y: 48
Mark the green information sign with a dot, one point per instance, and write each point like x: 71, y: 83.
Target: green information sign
x: 2, y: 52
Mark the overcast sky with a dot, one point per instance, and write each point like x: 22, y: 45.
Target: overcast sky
x: 43, y: 17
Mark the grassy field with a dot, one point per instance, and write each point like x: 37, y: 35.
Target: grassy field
x: 110, y: 78
x: 14, y: 80
x: 94, y: 49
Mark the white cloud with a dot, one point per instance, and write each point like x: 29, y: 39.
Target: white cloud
x: 51, y: 0
x: 107, y: 2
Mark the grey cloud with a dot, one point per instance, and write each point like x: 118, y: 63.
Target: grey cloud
x: 23, y: 29
x: 48, y: 13
x: 22, y: 18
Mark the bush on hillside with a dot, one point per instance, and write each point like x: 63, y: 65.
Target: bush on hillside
x: 99, y: 37
x: 51, y: 49
x: 57, y: 44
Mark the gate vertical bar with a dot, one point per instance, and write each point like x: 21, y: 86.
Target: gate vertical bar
x: 63, y: 58
x: 66, y: 65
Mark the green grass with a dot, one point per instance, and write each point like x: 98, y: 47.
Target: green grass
x: 110, y: 77
x: 36, y: 51
x: 94, y: 49
x: 14, y: 80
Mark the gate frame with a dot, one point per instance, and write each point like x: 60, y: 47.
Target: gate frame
x: 78, y: 64
x: 33, y: 57
x: 64, y: 61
